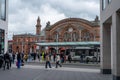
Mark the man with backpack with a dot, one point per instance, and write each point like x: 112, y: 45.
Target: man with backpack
x: 7, y: 60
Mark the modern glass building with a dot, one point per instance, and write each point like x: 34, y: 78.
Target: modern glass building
x: 3, y: 25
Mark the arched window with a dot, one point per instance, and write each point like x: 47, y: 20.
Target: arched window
x: 65, y: 36
x: 56, y: 37
x: 75, y: 36
x: 86, y: 36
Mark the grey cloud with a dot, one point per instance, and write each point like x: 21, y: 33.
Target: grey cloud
x: 23, y: 13
x: 68, y: 7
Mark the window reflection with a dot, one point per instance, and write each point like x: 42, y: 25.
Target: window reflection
x: 3, y: 9
x: 109, y: 1
x: 103, y: 4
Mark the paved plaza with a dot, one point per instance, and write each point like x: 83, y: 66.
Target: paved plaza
x: 37, y: 72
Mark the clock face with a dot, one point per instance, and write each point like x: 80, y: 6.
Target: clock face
x: 70, y: 29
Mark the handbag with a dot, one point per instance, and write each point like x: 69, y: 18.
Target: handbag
x: 16, y: 63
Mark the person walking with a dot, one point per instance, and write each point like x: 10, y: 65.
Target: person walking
x: 54, y: 56
x: 58, y: 61
x: 38, y: 55
x: 11, y: 59
x: 43, y: 56
x: 1, y: 60
x: 7, y: 61
x: 13, y: 56
x: 47, y: 58
x: 19, y: 58
x: 62, y: 57
x: 69, y: 58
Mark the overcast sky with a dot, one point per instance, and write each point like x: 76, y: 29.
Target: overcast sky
x: 24, y: 13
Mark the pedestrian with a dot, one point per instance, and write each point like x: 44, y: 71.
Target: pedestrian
x: 43, y: 56
x: 47, y: 58
x: 54, y: 57
x: 7, y: 61
x: 26, y: 57
x: 1, y: 60
x: 34, y: 56
x: 81, y: 57
x: 62, y: 57
x: 13, y: 56
x: 58, y: 61
x: 38, y: 55
x: 22, y: 59
x: 19, y: 58
x: 69, y: 58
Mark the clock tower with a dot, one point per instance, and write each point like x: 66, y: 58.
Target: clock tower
x: 38, y: 26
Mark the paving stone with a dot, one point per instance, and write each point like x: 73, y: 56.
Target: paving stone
x: 34, y: 72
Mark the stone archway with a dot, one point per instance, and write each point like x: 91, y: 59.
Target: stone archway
x: 76, y: 24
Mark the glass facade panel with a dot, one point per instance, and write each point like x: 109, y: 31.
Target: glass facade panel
x: 3, y: 9
x: 2, y: 41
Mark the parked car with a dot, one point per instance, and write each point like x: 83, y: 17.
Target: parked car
x: 90, y: 59
x: 76, y: 58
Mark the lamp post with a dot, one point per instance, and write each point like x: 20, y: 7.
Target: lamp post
x: 57, y: 41
x: 22, y: 46
x: 57, y: 38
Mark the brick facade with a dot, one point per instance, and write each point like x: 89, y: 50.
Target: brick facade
x: 66, y: 30
x: 73, y: 30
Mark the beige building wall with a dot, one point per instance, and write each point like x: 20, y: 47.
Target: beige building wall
x: 4, y: 26
x: 110, y: 37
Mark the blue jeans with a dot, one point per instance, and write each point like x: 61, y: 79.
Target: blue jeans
x: 48, y: 63
x: 19, y: 64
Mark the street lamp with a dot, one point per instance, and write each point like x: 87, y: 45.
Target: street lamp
x: 57, y: 41
x: 57, y: 38
x: 22, y: 46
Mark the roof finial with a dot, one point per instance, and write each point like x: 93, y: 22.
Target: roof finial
x: 96, y: 19
x: 38, y: 19
x: 48, y: 24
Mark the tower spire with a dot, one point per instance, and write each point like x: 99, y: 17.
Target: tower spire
x: 38, y: 26
x: 38, y: 21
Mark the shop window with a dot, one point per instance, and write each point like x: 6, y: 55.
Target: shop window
x: 86, y: 36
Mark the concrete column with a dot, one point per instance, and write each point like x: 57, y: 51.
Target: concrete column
x: 105, y: 49
x: 116, y: 46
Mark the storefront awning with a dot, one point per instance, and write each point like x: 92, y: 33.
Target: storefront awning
x: 69, y: 44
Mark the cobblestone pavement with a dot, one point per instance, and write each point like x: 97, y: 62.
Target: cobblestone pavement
x: 37, y: 72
